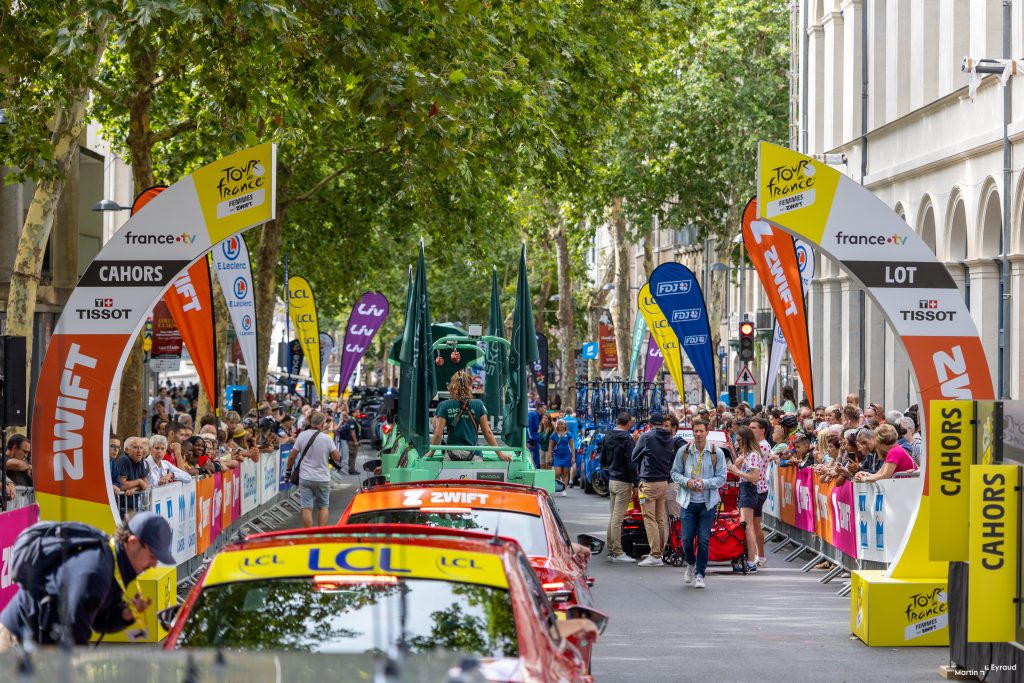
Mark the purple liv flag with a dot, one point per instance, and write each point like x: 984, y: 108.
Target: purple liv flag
x: 367, y: 317
x: 654, y: 360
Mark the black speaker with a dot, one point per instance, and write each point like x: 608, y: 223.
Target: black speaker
x: 13, y: 394
x: 240, y: 401
x: 734, y: 396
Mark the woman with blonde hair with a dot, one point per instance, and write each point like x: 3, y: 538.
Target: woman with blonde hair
x: 462, y: 417
x: 560, y: 450
x: 544, y: 434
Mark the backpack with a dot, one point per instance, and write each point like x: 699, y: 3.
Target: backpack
x: 40, y: 549
x: 714, y: 455
x: 464, y: 409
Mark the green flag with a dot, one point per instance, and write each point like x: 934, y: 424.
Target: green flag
x: 637, y: 347
x: 497, y: 359
x: 521, y: 355
x: 417, y: 388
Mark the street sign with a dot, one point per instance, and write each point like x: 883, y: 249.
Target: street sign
x: 745, y: 378
x: 590, y: 351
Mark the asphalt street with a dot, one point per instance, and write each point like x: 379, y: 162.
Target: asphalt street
x: 777, y: 625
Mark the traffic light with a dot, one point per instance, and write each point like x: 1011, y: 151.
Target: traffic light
x: 746, y: 341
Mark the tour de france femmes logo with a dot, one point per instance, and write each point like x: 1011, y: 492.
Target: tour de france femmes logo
x: 790, y: 187
x: 241, y: 187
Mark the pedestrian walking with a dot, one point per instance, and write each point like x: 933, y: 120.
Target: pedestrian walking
x: 79, y: 575
x: 750, y: 467
x: 314, y: 449
x: 348, y: 439
x: 617, y: 462
x: 653, y: 458
x: 560, y: 450
x: 699, y: 469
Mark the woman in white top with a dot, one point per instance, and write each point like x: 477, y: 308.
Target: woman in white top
x: 161, y: 471
x: 749, y: 467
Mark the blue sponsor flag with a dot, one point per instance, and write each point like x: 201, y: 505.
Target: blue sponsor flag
x: 678, y: 294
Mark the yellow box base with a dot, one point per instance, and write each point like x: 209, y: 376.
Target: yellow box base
x: 160, y: 585
x: 898, y: 612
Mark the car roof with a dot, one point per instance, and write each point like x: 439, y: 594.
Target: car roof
x: 367, y: 551
x: 436, y: 496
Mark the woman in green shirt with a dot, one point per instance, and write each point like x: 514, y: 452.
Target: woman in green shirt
x: 788, y: 399
x: 462, y: 417
x: 547, y: 428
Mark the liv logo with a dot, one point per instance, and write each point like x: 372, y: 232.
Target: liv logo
x: 231, y: 248
x: 241, y: 288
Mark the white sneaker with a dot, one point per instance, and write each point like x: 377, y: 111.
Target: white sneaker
x: 698, y: 582
x: 761, y: 561
x: 565, y: 493
x: 690, y: 572
x: 651, y: 562
x: 621, y: 558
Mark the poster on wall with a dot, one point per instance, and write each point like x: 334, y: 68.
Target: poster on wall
x: 165, y: 354
x: 608, y: 349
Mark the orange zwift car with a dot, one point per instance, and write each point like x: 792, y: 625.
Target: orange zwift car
x: 523, y: 513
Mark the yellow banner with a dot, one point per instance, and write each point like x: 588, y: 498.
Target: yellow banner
x: 332, y: 559
x: 995, y: 528
x: 238, y: 191
x: 663, y: 335
x: 950, y: 447
x: 794, y: 190
x: 302, y: 309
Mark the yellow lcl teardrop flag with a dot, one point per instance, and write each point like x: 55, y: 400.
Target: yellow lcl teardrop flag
x: 664, y: 337
x: 302, y: 309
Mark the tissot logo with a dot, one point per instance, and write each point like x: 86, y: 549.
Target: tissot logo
x: 161, y: 238
x: 870, y: 240
x: 103, y: 303
x: 928, y: 311
x: 131, y: 273
x: 103, y: 313
x: 928, y: 303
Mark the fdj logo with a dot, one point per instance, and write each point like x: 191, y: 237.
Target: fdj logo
x: 695, y: 339
x: 231, y: 248
x: 246, y: 322
x: 685, y: 315
x: 241, y: 288
x: 674, y: 287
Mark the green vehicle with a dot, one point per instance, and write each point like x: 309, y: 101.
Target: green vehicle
x: 407, y: 455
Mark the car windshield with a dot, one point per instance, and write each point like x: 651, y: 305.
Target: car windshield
x: 314, y: 615
x: 527, y: 530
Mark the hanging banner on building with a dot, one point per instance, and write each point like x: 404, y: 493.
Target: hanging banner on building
x: 663, y: 334
x: 994, y: 534
x: 805, y: 259
x: 367, y: 317
x: 774, y: 255
x: 950, y: 448
x: 609, y: 349
x: 165, y: 355
x: 636, y: 347
x: 539, y: 367
x: 654, y: 360
x: 302, y: 308
x: 678, y: 294
x: 326, y: 349
x: 234, y: 271
x: 903, y: 277
x: 91, y: 343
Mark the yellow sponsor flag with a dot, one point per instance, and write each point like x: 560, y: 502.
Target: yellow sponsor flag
x: 302, y: 309
x: 663, y: 335
x: 795, y: 191
x: 995, y: 528
x: 238, y: 191
x: 950, y: 446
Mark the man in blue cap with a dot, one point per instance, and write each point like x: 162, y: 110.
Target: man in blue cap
x: 86, y: 574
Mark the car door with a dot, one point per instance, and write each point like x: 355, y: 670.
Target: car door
x: 562, y: 553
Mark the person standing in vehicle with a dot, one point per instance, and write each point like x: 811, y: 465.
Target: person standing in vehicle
x: 699, y: 469
x: 560, y: 451
x: 312, y: 449
x: 653, y: 457
x: 617, y: 462
x: 462, y: 417
x: 348, y: 439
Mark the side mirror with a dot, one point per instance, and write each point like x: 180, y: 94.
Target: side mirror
x: 374, y: 481
x: 599, y: 618
x: 165, y: 617
x: 371, y: 465
x: 595, y: 544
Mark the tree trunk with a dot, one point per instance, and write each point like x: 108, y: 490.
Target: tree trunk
x: 35, y: 231
x: 540, y: 322
x: 648, y: 254
x: 566, y: 312
x: 143, y: 65
x: 266, y: 292
x: 620, y: 277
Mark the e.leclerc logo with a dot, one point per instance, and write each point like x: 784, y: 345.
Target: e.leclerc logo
x: 875, y: 240
x: 241, y: 288
x: 246, y: 322
x: 231, y: 248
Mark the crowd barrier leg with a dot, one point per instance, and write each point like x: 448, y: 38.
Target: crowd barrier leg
x: 800, y: 549
x: 810, y: 565
x: 845, y: 590
x: 832, y: 573
x: 783, y: 544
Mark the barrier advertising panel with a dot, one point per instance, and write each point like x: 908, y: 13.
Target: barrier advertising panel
x: 787, y: 495
x: 824, y: 512
x: 844, y: 536
x: 804, y: 499
x: 250, y: 471
x: 227, y: 478
x: 204, y: 512
x: 12, y: 523
x: 268, y: 476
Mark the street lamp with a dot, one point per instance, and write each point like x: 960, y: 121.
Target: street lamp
x: 109, y: 205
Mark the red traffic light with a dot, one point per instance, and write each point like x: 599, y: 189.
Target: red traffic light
x: 746, y: 328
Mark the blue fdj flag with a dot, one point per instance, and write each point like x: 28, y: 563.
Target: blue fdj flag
x: 676, y: 291
x: 590, y: 351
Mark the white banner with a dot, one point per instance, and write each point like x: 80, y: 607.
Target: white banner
x: 177, y: 504
x: 771, y: 503
x: 883, y: 510
x: 250, y: 484
x: 231, y: 261
x: 268, y: 476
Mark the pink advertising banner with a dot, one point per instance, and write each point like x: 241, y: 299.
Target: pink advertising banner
x: 805, y: 500
x: 844, y: 537
x: 217, y: 507
x: 11, y: 524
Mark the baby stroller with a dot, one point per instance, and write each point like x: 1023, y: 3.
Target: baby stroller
x: 728, y: 542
